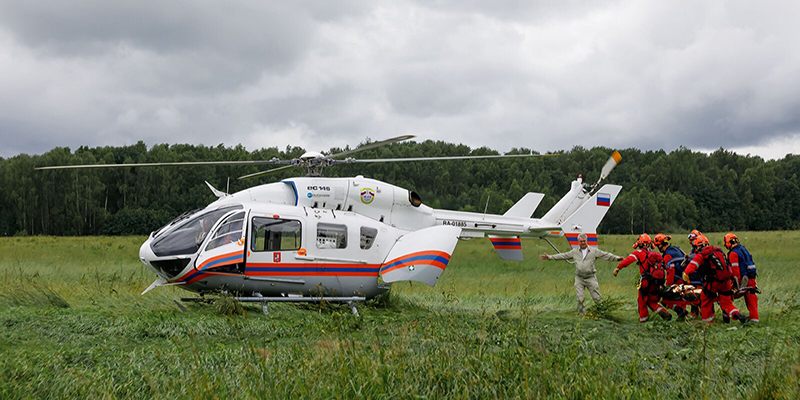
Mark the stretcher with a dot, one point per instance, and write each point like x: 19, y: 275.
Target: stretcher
x: 691, y: 293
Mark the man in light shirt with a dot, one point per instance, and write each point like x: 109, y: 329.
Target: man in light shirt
x: 585, y: 278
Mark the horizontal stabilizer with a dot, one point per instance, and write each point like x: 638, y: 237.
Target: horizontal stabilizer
x: 525, y: 206
x: 508, y: 248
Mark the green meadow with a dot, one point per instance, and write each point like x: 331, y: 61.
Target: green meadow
x: 73, y: 324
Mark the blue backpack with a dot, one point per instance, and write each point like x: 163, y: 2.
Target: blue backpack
x: 676, y: 261
x: 746, y: 264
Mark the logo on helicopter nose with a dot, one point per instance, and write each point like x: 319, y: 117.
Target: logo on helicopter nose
x: 367, y: 195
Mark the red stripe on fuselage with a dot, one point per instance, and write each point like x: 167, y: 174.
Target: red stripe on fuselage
x: 419, y: 253
x: 370, y: 269
x: 219, y: 257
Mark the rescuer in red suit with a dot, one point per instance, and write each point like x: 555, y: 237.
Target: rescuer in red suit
x: 652, y: 273
x: 744, y: 270
x: 673, y: 258
x: 717, y: 276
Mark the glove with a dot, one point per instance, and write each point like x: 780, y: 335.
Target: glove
x: 686, y: 277
x: 616, y: 271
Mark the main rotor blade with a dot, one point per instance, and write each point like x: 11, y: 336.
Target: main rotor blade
x: 269, y: 171
x: 371, y: 160
x: 372, y: 145
x: 171, y: 164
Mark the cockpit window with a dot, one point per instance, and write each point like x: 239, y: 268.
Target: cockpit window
x: 186, y: 238
x: 229, y: 231
x: 179, y: 218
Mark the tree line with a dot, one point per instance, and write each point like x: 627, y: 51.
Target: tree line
x: 662, y: 191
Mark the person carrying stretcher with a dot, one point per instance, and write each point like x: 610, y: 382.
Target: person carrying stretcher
x: 744, y: 270
x: 717, y: 276
x: 673, y: 258
x: 695, y: 279
x: 653, y: 274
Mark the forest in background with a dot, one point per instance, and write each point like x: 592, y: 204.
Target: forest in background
x: 662, y: 191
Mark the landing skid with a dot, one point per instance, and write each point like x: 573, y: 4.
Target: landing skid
x: 351, y: 301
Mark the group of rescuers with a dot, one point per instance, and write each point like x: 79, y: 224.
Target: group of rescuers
x: 722, y: 277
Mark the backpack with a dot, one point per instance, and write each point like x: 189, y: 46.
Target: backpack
x: 746, y: 264
x: 676, y: 261
x: 654, y: 266
x: 715, y: 264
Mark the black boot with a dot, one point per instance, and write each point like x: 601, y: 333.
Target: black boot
x: 741, y: 317
x: 726, y: 319
x: 695, y: 311
x: 682, y: 313
x: 665, y: 315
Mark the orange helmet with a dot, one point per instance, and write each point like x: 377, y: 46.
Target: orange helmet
x: 661, y: 238
x: 643, y: 242
x: 693, y: 235
x: 700, y: 241
x: 730, y: 240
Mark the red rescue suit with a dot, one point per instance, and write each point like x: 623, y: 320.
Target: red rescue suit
x: 750, y: 299
x: 673, y: 255
x: 717, y: 286
x: 648, y: 289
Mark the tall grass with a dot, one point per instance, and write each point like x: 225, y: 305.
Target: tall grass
x: 489, y: 328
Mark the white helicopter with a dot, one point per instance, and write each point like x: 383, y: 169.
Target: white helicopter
x: 343, y: 239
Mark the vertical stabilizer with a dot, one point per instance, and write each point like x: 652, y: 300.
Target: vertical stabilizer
x: 568, y: 204
x: 588, y: 216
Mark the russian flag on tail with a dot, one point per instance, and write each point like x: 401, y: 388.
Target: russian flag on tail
x: 604, y: 199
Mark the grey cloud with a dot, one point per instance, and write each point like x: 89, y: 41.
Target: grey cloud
x: 436, y: 92
x: 543, y: 75
x: 172, y: 26
x: 518, y: 10
x: 174, y: 46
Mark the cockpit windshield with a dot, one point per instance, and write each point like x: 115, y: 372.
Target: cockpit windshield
x: 186, y: 238
x: 179, y: 218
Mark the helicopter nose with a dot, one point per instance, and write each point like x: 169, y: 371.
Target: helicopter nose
x: 146, y: 255
x: 167, y: 268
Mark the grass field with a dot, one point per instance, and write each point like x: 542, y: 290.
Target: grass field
x: 73, y: 324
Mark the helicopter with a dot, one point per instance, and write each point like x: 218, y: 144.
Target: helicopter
x: 312, y: 238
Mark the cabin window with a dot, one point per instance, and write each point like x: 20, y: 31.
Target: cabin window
x: 275, y: 234
x: 331, y: 236
x: 229, y: 231
x: 367, y: 237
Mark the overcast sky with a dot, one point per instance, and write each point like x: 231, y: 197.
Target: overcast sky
x: 543, y: 75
